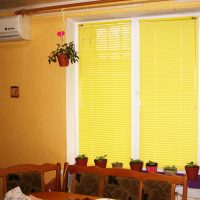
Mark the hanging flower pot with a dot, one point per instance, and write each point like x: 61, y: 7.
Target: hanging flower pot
x: 63, y: 60
x: 64, y: 53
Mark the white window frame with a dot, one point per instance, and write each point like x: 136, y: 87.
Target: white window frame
x: 72, y: 104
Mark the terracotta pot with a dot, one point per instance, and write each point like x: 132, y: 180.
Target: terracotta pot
x: 151, y: 168
x: 101, y: 163
x: 192, y: 172
x: 63, y: 60
x: 136, y: 166
x: 81, y: 162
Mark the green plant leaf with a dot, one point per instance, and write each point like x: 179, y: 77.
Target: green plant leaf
x: 66, y: 48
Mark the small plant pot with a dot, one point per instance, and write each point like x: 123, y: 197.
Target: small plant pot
x: 81, y: 162
x: 101, y: 163
x: 151, y: 168
x: 169, y: 172
x: 136, y: 166
x: 192, y: 172
x: 63, y: 60
x: 118, y: 165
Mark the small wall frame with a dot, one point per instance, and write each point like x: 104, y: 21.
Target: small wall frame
x: 14, y: 91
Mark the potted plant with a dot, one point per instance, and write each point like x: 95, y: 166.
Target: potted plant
x: 81, y: 160
x: 136, y: 164
x: 101, y: 161
x: 117, y: 165
x: 192, y: 170
x: 170, y: 170
x: 64, y: 52
x: 151, y: 166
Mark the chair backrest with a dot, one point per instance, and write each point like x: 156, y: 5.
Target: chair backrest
x: 82, y: 180
x: 138, y: 181
x: 30, y: 177
x: 172, y: 182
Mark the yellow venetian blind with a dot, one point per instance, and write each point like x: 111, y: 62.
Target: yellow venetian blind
x: 105, y: 90
x: 169, y: 91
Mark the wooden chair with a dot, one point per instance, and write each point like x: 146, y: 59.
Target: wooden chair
x: 173, y: 181
x: 101, y: 173
x: 75, y: 172
x: 30, y: 177
x: 139, y: 192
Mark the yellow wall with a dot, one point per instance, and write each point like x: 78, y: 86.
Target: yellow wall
x: 32, y: 127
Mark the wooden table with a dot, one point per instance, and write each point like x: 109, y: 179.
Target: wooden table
x: 62, y: 196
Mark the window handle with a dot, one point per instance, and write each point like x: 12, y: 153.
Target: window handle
x: 138, y: 98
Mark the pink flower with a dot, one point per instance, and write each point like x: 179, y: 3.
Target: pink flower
x: 60, y: 33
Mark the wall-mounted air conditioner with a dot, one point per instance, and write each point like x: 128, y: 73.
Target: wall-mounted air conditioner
x: 15, y: 28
